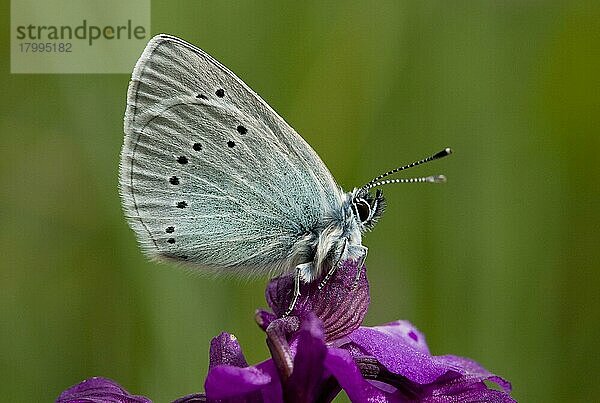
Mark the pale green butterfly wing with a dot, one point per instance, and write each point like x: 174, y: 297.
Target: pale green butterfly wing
x: 210, y: 174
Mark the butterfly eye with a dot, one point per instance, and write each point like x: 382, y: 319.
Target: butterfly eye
x: 363, y: 209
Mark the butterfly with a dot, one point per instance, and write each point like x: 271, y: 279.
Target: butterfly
x: 212, y: 177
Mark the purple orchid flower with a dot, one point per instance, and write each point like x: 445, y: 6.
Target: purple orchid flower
x: 96, y: 390
x: 321, y: 349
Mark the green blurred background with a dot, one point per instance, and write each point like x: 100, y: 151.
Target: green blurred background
x: 500, y: 264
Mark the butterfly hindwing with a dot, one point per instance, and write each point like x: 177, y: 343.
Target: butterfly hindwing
x: 210, y: 174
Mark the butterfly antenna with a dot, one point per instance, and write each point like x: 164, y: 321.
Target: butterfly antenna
x: 432, y: 179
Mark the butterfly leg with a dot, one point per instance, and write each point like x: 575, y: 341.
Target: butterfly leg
x: 334, y: 266
x: 361, y: 262
x: 300, y: 269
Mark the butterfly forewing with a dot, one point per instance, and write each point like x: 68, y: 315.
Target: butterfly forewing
x: 210, y: 174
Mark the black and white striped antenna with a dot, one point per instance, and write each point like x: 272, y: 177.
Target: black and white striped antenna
x: 375, y: 182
